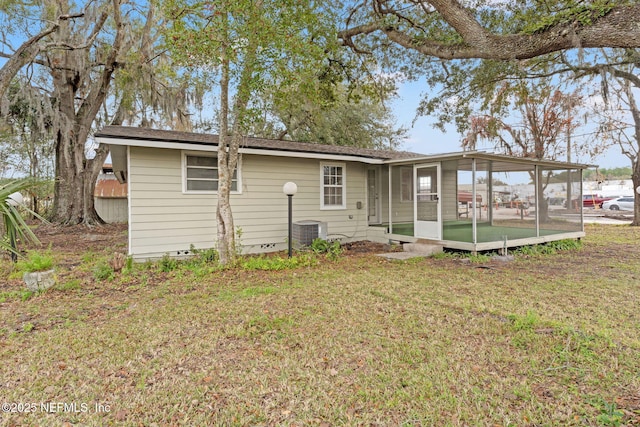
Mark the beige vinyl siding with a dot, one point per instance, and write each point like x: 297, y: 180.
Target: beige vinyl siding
x: 261, y: 210
x: 166, y: 220
x: 163, y: 219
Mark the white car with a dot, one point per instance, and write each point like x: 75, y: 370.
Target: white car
x: 624, y: 203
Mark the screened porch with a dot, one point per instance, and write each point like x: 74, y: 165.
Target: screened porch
x: 479, y: 201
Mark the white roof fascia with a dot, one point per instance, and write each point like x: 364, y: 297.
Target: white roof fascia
x: 155, y: 144
x: 306, y: 155
x: 545, y: 163
x: 429, y: 158
x: 256, y: 151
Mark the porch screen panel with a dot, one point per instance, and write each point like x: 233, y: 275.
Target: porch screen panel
x: 559, y: 201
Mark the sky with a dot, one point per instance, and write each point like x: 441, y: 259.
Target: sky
x: 425, y: 139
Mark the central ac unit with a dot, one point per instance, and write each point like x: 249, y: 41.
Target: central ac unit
x: 306, y: 231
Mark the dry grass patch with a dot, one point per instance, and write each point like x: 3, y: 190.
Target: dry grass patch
x: 544, y: 340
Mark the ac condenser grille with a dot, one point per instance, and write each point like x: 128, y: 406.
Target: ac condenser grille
x: 305, y: 232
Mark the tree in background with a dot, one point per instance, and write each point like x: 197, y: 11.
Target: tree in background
x: 252, y: 48
x: 543, y: 117
x: 620, y: 119
x: 27, y: 142
x: 353, y: 116
x: 98, y: 63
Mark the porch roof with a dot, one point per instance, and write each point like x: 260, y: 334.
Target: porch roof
x: 499, y: 162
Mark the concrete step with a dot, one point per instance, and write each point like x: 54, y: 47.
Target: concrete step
x: 424, y: 249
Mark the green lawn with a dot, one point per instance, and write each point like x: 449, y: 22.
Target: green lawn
x: 543, y: 340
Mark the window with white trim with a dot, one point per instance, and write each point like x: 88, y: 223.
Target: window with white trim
x: 332, y: 187
x: 201, y: 174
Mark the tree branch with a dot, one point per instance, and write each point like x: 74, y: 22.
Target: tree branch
x: 27, y: 52
x: 618, y: 28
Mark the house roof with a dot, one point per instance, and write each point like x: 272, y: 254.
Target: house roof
x: 208, y: 140
x: 146, y: 137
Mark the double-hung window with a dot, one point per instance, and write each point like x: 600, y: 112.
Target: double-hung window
x: 201, y: 174
x: 333, y: 186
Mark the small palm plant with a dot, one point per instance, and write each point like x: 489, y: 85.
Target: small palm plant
x: 15, y: 227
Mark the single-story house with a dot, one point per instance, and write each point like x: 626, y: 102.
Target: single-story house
x: 110, y: 196
x: 344, y: 193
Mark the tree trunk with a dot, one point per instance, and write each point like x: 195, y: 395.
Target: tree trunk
x: 635, y: 178
x: 79, y: 96
x: 75, y: 182
x: 224, y: 215
x: 226, y: 234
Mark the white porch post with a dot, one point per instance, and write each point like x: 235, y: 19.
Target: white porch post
x: 579, y: 200
x: 490, y: 193
x: 389, y: 169
x: 537, y: 198
x: 474, y: 202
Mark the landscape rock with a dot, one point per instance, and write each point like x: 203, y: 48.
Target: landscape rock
x: 39, y: 280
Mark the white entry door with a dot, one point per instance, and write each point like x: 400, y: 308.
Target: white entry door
x: 426, y: 202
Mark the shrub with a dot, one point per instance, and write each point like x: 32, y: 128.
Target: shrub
x: 204, y: 255
x: 36, y: 261
x: 331, y: 249
x: 167, y: 263
x: 550, y: 248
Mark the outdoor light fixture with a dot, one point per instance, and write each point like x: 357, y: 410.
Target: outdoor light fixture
x: 290, y: 188
x: 15, y: 199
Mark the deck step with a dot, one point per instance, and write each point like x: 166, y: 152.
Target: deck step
x: 424, y: 249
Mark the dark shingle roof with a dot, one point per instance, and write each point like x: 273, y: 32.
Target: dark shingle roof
x: 137, y: 133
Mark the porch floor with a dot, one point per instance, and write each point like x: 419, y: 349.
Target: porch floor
x: 461, y: 231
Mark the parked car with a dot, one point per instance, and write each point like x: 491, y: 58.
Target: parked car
x: 624, y: 203
x: 591, y: 201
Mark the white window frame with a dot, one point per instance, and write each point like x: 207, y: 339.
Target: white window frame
x: 185, y: 154
x: 324, y: 206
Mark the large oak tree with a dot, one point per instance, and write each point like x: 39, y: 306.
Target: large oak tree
x: 81, y: 66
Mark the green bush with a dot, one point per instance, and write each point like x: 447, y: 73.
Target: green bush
x: 204, y: 255
x: 331, y: 249
x: 550, y: 248
x: 167, y: 264
x: 35, y: 261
